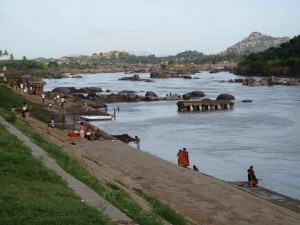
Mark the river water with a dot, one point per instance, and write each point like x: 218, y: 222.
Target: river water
x: 223, y: 144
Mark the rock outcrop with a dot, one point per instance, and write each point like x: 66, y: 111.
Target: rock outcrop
x: 135, y: 77
x: 267, y: 81
x: 150, y: 94
x: 70, y: 90
x: 124, y: 138
x: 255, y: 42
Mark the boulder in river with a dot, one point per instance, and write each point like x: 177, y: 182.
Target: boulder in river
x: 225, y: 96
x: 150, y: 94
x: 196, y: 94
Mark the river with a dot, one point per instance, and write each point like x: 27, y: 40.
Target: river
x: 223, y: 144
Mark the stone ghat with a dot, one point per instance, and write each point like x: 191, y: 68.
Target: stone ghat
x: 205, y: 105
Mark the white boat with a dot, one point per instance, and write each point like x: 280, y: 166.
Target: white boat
x: 95, y: 117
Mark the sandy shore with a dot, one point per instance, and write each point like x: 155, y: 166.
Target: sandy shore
x: 201, y: 198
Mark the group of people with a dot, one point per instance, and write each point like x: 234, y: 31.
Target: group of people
x: 183, y: 158
x: 25, y: 113
x: 116, y: 110
x: 86, y: 132
x: 24, y: 87
x: 56, y: 100
x: 172, y: 95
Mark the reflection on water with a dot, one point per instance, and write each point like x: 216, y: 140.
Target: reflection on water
x: 264, y: 133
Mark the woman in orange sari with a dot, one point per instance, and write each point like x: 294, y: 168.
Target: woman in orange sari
x: 181, y: 159
x: 186, y: 157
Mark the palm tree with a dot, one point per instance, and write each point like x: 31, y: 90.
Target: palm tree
x: 5, y: 53
x: 1, y: 53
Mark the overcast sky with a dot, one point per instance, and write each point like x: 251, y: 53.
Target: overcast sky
x: 55, y: 28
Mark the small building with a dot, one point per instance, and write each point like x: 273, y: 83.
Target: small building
x: 37, y: 84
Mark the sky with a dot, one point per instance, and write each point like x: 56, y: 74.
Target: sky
x: 56, y: 28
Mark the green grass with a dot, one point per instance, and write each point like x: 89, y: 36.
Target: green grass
x: 32, y: 194
x: 163, y: 210
x: 8, y: 99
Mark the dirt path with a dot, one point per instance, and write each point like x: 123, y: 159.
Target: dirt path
x: 83, y: 191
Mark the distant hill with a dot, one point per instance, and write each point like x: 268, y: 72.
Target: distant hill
x: 255, y: 42
x: 122, y: 57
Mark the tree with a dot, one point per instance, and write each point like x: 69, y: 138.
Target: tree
x: 172, y: 62
x: 1, y: 53
x: 12, y: 57
x: 24, y: 58
x: 5, y: 53
x: 52, y: 64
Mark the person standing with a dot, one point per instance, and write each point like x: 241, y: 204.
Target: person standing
x: 81, y: 130
x: 181, y: 159
x: 88, y: 133
x: 138, y: 142
x: 186, y: 157
x: 62, y: 101
x: 85, y: 107
x: 43, y: 97
x: 52, y: 123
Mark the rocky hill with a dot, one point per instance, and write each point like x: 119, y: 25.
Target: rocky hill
x: 255, y: 42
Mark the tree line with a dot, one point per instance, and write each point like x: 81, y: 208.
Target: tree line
x: 5, y: 53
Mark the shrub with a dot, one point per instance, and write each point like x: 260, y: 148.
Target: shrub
x: 11, y: 118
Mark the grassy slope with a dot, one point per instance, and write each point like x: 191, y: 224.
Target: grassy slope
x: 8, y: 99
x: 32, y: 194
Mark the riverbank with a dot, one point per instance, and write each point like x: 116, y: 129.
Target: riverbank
x: 202, y: 199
